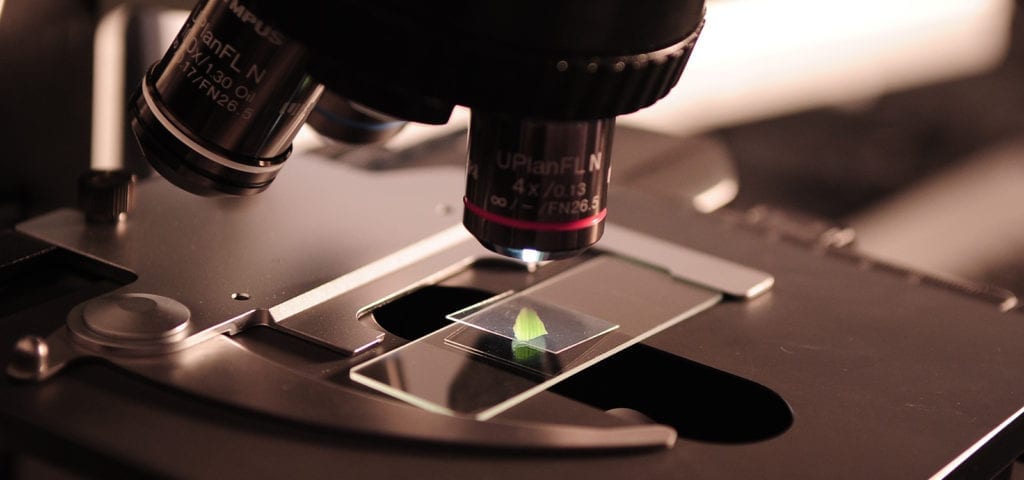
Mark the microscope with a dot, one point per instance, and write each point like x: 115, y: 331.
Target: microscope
x: 498, y: 307
x: 544, y: 84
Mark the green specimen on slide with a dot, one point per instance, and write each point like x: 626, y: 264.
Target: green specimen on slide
x: 528, y: 325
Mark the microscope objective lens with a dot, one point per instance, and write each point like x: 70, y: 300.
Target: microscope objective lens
x: 537, y: 189
x: 218, y: 113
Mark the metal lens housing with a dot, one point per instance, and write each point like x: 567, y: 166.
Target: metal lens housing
x: 218, y: 113
x: 342, y: 120
x: 537, y: 189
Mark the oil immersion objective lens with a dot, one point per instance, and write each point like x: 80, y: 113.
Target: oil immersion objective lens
x: 217, y: 114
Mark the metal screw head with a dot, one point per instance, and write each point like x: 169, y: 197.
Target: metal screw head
x: 30, y: 358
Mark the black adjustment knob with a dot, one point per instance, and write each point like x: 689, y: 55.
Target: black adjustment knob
x: 106, y: 196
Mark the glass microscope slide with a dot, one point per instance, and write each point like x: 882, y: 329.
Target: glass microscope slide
x: 501, y: 352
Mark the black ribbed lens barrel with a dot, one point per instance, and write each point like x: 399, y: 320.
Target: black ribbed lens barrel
x: 537, y: 189
x: 218, y: 113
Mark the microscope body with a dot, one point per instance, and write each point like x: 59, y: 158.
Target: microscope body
x: 313, y: 329
x: 544, y: 84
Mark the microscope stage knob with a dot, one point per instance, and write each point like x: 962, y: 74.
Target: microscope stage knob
x: 106, y: 196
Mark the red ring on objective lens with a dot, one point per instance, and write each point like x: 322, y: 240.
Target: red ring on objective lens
x: 538, y: 226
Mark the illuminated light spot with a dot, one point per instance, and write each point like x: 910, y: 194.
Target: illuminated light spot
x: 530, y: 255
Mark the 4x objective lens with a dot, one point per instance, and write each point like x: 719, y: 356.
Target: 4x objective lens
x: 537, y: 189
